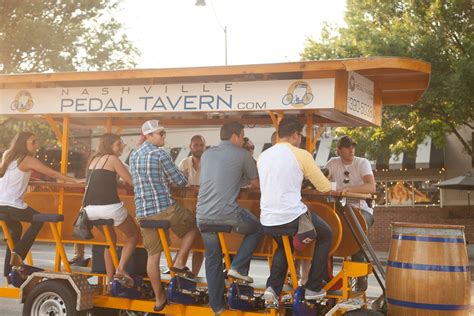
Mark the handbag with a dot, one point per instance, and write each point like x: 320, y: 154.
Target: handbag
x: 82, y: 229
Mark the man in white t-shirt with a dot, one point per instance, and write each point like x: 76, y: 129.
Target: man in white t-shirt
x: 353, y: 174
x: 191, y: 166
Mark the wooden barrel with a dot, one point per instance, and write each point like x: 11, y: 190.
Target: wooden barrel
x: 428, y: 270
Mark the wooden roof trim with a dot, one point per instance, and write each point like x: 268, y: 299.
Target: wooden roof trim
x: 357, y: 64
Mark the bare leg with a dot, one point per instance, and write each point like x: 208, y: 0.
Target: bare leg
x: 153, y: 270
x: 129, y: 228
x: 198, y: 258
x: 79, y: 251
x: 109, y: 264
x: 183, y: 252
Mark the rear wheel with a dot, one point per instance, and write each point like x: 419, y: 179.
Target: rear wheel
x: 363, y: 312
x: 51, y: 297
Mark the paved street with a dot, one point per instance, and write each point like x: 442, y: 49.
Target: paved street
x: 43, y: 256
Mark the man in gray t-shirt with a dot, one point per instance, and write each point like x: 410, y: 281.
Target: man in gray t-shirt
x: 222, y: 169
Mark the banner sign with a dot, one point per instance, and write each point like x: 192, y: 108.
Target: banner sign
x: 196, y: 97
x: 360, y: 97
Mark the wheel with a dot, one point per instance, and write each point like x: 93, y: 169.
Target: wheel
x: 363, y: 312
x: 287, y: 99
x: 308, y: 97
x: 51, y: 297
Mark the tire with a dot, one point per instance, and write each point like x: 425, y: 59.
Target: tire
x: 363, y: 312
x: 51, y: 297
x: 101, y: 311
x: 287, y: 99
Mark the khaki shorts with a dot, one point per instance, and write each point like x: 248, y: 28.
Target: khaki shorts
x: 181, y: 221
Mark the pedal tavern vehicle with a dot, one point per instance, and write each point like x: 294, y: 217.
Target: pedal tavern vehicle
x: 348, y: 92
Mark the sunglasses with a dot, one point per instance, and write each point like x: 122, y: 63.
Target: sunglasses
x: 250, y: 147
x: 161, y: 133
x: 32, y: 141
x: 346, y: 179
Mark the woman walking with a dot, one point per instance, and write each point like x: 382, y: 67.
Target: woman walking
x: 102, y: 201
x: 18, y: 162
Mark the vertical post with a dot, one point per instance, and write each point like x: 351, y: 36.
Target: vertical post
x: 108, y: 125
x: 166, y: 249
x: 225, y: 44
x: 309, y: 133
x: 64, y: 164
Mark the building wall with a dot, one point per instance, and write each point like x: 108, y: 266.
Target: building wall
x: 380, y: 234
x: 458, y: 163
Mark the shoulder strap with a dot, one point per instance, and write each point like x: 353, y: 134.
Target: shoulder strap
x: 103, y: 165
x: 88, y: 181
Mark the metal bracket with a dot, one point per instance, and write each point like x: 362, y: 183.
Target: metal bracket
x: 85, y: 292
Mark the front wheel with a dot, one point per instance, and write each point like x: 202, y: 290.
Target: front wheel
x: 51, y: 297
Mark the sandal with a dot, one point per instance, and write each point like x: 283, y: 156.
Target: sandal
x: 185, y: 271
x: 162, y: 306
x: 124, y: 280
x: 76, y: 260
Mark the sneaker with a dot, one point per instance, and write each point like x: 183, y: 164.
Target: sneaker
x: 361, y: 284
x: 313, y: 295
x: 76, y: 260
x: 236, y: 275
x: 270, y: 297
x: 16, y: 260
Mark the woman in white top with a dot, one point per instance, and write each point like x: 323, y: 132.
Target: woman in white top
x: 101, y: 200
x: 15, y: 170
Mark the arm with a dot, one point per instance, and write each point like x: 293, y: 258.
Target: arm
x: 368, y: 178
x: 367, y: 187
x: 250, y: 171
x: 121, y: 170
x: 32, y: 163
x: 172, y: 172
x: 310, y: 170
x: 255, y: 183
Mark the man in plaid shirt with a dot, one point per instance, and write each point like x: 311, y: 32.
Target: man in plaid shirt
x: 152, y: 169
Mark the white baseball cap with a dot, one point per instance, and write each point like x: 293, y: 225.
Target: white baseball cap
x: 151, y: 126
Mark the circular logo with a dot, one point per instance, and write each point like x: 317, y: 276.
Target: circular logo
x: 298, y: 95
x: 352, y: 83
x: 23, y: 101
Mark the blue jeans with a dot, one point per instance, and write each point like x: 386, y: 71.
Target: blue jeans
x: 22, y: 244
x: 246, y: 224
x: 319, y: 263
x: 369, y: 219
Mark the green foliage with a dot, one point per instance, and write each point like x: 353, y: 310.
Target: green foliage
x: 59, y: 35
x: 62, y: 35
x: 440, y: 32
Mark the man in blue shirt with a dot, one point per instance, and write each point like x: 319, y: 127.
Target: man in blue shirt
x: 223, y: 168
x: 152, y: 169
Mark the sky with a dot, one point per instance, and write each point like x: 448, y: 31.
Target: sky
x: 177, y: 33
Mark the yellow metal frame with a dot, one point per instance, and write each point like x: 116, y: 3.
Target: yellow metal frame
x: 349, y: 270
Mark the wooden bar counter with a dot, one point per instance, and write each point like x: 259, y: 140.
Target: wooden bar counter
x: 44, y: 197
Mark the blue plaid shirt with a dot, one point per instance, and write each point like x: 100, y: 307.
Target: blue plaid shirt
x: 152, y: 169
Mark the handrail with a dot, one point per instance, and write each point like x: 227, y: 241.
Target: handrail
x: 304, y: 192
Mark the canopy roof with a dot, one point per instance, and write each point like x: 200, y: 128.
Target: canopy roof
x: 397, y: 81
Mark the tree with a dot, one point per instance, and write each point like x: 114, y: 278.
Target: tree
x: 62, y: 35
x: 440, y: 32
x: 59, y: 35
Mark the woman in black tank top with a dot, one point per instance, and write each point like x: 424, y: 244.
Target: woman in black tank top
x: 102, y: 201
